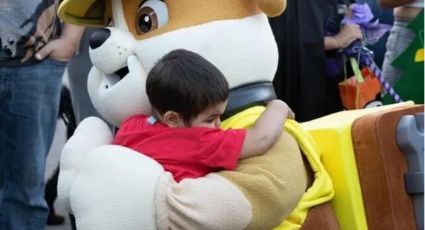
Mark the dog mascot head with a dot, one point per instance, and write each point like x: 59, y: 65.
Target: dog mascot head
x: 111, y: 187
x: 230, y: 34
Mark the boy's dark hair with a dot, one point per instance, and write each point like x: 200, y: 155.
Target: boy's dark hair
x: 185, y: 82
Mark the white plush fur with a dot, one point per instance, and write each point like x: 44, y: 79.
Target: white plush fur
x: 116, y: 192
x: 96, y: 178
x: 91, y: 133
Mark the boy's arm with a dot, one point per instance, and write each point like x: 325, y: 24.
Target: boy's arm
x: 266, y: 130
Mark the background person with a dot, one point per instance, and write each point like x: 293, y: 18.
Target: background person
x: 33, y: 54
x: 302, y: 80
x: 400, y: 36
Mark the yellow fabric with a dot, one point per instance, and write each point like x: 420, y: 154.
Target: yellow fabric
x: 83, y: 12
x: 332, y: 134
x: 271, y: 180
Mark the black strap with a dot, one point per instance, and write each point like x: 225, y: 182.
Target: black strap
x: 248, y: 95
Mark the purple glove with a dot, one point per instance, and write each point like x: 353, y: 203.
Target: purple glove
x: 360, y: 15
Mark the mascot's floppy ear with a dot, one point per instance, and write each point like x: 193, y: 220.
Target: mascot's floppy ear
x: 272, y: 8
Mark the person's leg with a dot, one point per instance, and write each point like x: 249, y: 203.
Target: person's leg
x: 399, y: 39
x: 29, y: 99
x: 66, y: 113
x: 74, y: 107
x: 50, y: 194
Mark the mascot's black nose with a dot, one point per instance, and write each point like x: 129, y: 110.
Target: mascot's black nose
x: 99, y: 37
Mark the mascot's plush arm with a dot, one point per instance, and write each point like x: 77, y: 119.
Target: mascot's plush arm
x: 276, y: 183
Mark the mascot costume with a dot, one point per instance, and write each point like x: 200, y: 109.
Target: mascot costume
x: 107, y: 186
x: 367, y: 180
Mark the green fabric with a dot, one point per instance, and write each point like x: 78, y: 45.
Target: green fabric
x: 410, y: 86
x: 406, y: 59
x: 418, y: 23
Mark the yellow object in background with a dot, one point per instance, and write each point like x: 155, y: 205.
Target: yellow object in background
x: 332, y: 135
x: 419, y: 57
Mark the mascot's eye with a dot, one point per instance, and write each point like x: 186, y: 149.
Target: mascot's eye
x: 152, y: 15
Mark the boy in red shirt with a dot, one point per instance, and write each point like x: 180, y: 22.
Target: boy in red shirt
x: 188, y: 95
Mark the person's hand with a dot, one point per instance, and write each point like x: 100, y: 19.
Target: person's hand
x: 282, y: 106
x: 61, y: 49
x: 348, y: 34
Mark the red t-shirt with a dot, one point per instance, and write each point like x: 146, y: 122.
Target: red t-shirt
x: 185, y: 152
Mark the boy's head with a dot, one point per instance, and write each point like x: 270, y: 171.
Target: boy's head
x: 185, y: 89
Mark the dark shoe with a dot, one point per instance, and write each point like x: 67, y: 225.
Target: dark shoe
x: 55, y: 220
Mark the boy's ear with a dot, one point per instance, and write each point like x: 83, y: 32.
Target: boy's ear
x: 172, y: 119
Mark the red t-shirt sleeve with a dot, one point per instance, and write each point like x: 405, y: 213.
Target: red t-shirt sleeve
x: 128, y: 126
x: 221, y: 148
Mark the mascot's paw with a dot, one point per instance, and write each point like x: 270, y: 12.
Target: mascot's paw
x: 95, y: 129
x: 115, y: 189
x: 206, y: 203
x: 91, y: 133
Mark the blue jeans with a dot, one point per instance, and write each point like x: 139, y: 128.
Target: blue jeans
x: 29, y: 103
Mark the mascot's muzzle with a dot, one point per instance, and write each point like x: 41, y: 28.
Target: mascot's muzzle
x: 110, y: 50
